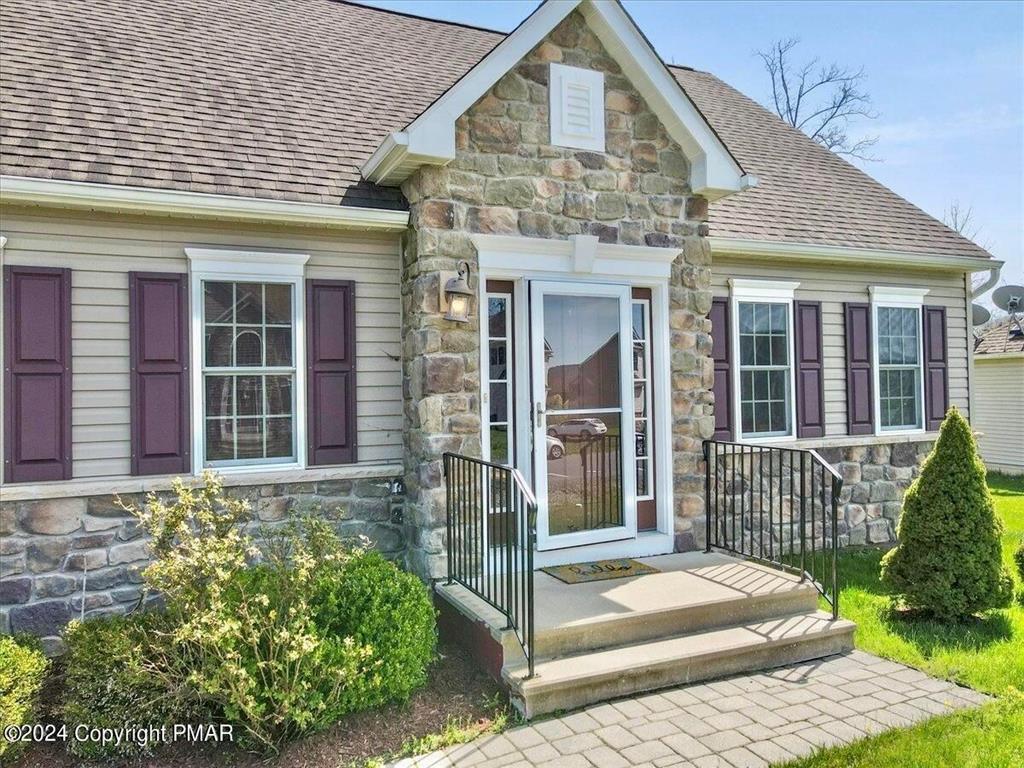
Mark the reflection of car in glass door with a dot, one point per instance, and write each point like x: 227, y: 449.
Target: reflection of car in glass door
x: 577, y: 429
x: 556, y: 448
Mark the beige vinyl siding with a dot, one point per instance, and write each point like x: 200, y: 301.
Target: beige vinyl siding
x: 834, y: 285
x: 102, y: 249
x: 999, y: 411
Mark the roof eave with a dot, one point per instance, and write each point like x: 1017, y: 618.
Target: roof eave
x: 866, y: 256
x: 115, y: 198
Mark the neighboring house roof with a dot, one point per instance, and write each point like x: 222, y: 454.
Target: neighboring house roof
x: 1001, y: 337
x: 287, y: 100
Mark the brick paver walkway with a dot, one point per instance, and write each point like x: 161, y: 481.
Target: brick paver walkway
x: 748, y: 721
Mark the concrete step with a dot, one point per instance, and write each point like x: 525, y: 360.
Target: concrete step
x: 570, y: 682
x: 702, y: 610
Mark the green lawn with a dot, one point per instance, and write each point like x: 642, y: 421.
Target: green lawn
x: 988, y: 737
x: 986, y: 654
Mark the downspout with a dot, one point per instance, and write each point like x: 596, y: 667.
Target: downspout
x: 992, y: 279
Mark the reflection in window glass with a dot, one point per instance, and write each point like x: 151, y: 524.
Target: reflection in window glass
x: 581, y: 352
x: 584, y: 464
x: 248, y: 372
x: 899, y: 367
x: 764, y: 369
x: 643, y: 443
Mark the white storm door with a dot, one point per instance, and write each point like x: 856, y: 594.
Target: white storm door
x: 582, y: 413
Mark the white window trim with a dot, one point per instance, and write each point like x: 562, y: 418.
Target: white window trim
x: 648, y: 404
x: 246, y: 266
x: 763, y: 292
x: 512, y: 363
x: 561, y: 78
x: 901, y: 298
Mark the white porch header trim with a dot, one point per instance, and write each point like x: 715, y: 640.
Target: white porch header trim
x: 142, y: 200
x: 430, y: 138
x: 838, y: 253
x: 887, y: 295
x: 762, y: 290
x: 244, y: 263
x: 579, y: 255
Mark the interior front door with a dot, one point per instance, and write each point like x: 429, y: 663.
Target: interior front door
x: 582, y: 413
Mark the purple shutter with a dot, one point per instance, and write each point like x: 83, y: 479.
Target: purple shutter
x: 936, y: 366
x: 158, y: 311
x: 810, y: 370
x: 860, y: 409
x: 37, y: 374
x: 721, y: 352
x: 331, y: 371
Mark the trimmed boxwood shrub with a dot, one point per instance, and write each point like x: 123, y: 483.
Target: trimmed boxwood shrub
x: 388, y: 611
x: 23, y: 668
x: 949, y: 558
x: 122, y: 669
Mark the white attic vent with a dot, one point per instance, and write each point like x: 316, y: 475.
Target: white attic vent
x: 577, y: 107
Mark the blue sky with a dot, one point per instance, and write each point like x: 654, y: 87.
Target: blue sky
x: 946, y: 78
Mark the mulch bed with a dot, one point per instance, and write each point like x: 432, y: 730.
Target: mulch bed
x: 456, y: 688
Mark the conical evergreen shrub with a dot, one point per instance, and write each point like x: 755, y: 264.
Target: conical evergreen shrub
x: 948, y: 561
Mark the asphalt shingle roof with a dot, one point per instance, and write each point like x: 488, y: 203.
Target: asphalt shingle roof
x: 1000, y: 337
x: 286, y: 99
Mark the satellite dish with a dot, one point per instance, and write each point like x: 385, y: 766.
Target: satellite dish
x: 979, y: 315
x: 1009, y: 298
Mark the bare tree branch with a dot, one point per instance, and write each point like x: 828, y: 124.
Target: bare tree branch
x: 799, y: 99
x: 961, y: 220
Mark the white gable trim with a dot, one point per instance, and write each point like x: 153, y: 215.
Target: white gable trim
x: 714, y: 171
x: 430, y: 138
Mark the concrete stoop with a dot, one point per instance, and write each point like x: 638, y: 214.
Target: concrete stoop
x: 704, y: 616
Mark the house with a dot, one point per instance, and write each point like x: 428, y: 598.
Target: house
x: 998, y: 404
x: 242, y: 236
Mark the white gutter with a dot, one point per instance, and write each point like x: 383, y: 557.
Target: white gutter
x: 834, y: 253
x: 124, y: 199
x: 984, y: 357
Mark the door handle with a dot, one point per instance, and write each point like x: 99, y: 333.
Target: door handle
x: 538, y: 413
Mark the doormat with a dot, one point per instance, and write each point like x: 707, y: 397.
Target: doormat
x: 599, y: 570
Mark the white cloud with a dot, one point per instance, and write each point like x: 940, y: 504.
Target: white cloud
x: 960, y: 125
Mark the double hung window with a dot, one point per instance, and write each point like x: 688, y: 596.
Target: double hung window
x: 248, y: 372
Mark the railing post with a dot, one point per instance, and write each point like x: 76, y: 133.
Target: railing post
x: 449, y: 528
x: 707, y: 495
x: 531, y: 540
x: 803, y: 515
x: 509, y: 570
x: 837, y: 487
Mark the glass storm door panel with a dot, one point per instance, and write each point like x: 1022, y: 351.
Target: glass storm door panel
x: 582, y: 409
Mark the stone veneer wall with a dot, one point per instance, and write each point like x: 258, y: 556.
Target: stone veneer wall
x: 875, y: 477
x: 50, y: 549
x: 506, y: 179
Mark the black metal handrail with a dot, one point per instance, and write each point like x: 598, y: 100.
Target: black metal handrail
x: 778, y: 506
x: 492, y: 530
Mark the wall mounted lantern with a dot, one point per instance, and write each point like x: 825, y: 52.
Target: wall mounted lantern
x: 457, y: 295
